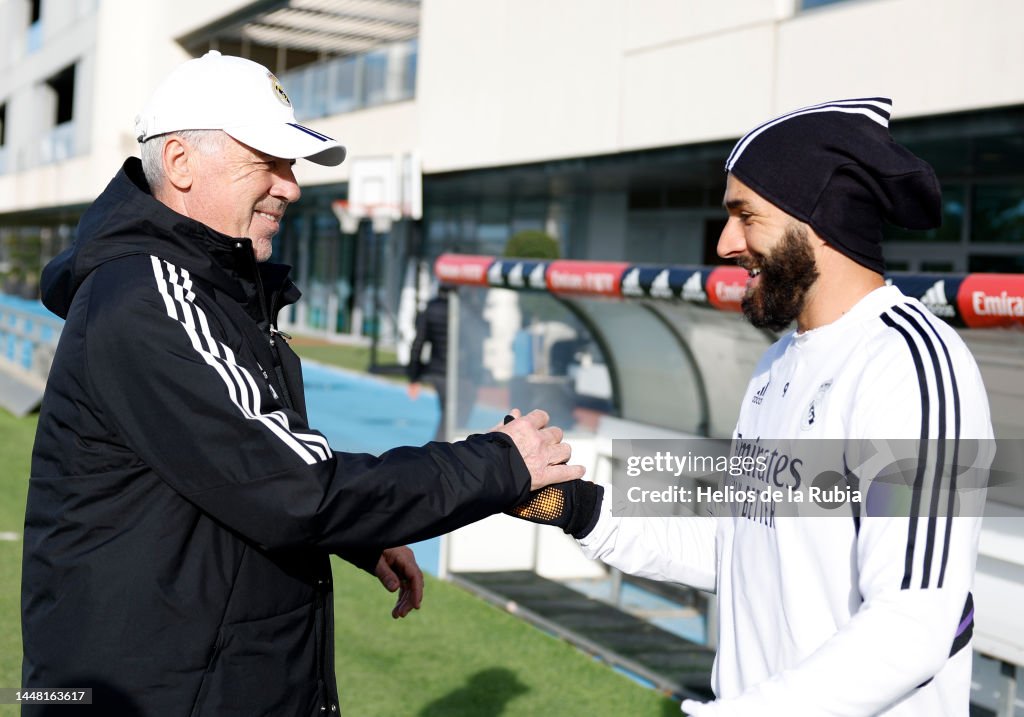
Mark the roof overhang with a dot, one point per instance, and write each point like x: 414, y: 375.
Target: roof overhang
x: 284, y: 34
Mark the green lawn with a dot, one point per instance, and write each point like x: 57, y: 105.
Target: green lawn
x: 460, y: 657
x: 354, y: 358
x: 16, y: 436
x: 456, y: 656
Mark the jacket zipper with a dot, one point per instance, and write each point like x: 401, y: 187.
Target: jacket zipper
x: 328, y: 705
x: 272, y: 331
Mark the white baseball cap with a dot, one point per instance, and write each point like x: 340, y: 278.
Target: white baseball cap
x: 242, y: 98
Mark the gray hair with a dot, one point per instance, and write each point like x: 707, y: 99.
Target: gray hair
x: 204, y: 141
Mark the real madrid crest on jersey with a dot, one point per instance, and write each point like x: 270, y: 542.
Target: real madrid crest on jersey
x: 813, y: 413
x: 278, y: 90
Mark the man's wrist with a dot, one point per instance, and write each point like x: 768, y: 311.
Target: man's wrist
x: 586, y: 509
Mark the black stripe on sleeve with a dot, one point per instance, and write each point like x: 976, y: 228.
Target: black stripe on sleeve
x: 965, y: 631
x: 940, y: 448
x: 955, y: 466
x: 915, y: 506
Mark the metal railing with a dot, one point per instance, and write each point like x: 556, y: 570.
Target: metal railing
x: 28, y: 342
x: 345, y: 84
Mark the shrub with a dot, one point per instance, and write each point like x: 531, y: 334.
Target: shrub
x: 532, y: 244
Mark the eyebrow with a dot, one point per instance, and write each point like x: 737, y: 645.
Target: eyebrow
x: 736, y: 204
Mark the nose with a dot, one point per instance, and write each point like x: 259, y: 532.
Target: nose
x: 731, y: 242
x: 285, y: 187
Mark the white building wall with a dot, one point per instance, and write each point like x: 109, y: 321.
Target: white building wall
x: 511, y: 81
x: 562, y: 78
x: 123, y: 49
x: 931, y: 56
x: 699, y: 89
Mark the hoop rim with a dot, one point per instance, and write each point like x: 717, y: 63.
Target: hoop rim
x: 367, y: 210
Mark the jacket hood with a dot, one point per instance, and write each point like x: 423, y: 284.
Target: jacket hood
x: 127, y: 219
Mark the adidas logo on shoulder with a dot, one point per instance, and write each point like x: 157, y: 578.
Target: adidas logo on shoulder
x: 935, y: 300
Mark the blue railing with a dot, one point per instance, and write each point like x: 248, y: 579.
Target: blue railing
x: 28, y: 336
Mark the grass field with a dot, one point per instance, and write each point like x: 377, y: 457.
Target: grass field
x: 456, y: 656
x: 15, y: 449
x: 349, y: 356
x: 461, y: 657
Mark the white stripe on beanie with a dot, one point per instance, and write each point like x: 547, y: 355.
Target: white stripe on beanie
x: 877, y: 109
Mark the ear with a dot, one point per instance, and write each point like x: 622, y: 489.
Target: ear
x: 177, y: 165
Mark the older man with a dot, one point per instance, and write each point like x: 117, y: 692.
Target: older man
x: 181, y: 511
x: 870, y: 612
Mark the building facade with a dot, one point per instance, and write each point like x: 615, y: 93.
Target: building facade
x: 603, y: 124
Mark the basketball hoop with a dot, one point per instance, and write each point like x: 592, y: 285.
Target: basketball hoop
x: 383, y: 189
x: 350, y: 214
x: 349, y: 220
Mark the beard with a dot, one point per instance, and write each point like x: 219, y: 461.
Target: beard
x: 787, y: 273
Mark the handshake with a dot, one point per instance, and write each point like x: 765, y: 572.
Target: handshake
x: 559, y: 496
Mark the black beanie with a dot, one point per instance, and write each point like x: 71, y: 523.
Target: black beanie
x: 836, y: 167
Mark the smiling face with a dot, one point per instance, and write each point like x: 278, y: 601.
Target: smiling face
x: 241, y: 192
x: 775, y: 249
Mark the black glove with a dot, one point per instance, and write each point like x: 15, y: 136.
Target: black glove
x: 574, y: 506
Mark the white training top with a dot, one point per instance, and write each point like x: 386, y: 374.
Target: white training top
x: 832, y: 615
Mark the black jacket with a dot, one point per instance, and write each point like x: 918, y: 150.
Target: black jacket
x: 431, y: 328
x: 181, y: 511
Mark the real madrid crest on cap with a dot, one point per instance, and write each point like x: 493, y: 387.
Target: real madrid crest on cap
x: 278, y: 90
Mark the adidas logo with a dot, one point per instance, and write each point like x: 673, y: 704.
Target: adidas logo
x: 659, y: 287
x: 515, y: 277
x: 494, y: 277
x: 758, y: 397
x: 537, y: 277
x: 935, y: 300
x: 693, y: 289
x: 631, y: 284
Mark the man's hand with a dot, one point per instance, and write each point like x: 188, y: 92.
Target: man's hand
x: 396, y: 569
x: 541, y: 448
x: 413, y: 390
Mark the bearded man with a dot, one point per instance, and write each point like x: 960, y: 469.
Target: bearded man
x: 865, y: 613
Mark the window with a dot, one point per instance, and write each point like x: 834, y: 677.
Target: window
x: 409, y: 69
x: 952, y: 220
x: 937, y: 266
x: 998, y: 213
x: 63, y: 86
x: 672, y: 197
x: 344, y: 77
x: 645, y: 198
x: 34, y: 41
x: 492, y: 229
x: 983, y: 263
x: 375, y: 66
